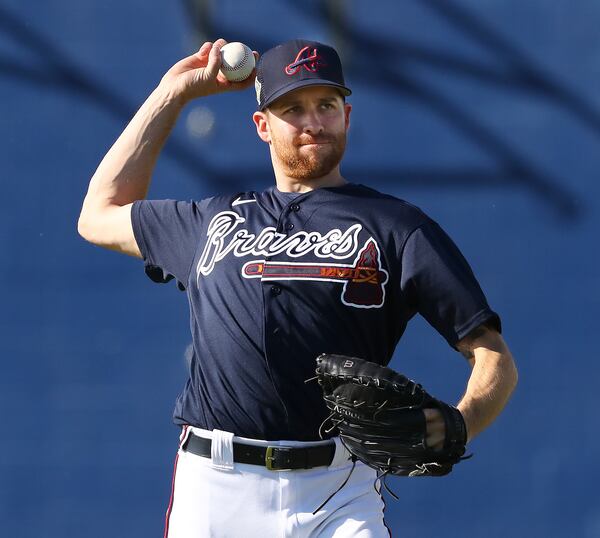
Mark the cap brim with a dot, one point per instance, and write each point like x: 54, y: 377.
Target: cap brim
x: 302, y: 84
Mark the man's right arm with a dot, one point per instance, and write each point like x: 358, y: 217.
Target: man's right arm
x: 124, y: 174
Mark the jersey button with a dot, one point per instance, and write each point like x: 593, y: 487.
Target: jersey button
x: 289, y: 226
x: 275, y: 290
x: 295, y: 207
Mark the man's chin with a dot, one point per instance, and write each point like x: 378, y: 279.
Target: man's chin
x: 312, y: 161
x: 308, y: 173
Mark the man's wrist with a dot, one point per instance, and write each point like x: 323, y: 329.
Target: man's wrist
x: 468, y: 416
x: 170, y: 96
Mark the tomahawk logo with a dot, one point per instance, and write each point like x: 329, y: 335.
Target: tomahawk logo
x: 363, y: 281
x: 310, y: 60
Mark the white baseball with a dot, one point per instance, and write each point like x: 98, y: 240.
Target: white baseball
x: 237, y: 61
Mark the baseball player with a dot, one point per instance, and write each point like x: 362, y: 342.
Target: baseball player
x: 314, y: 264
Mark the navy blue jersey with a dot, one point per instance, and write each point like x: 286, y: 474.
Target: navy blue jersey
x: 274, y: 279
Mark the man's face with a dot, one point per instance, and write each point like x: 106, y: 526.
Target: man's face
x: 307, y: 131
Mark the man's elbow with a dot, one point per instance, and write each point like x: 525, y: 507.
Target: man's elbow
x: 85, y: 228
x: 94, y: 221
x: 506, y: 363
x: 92, y: 225
x: 109, y: 227
x: 513, y: 374
x: 508, y: 373
x: 82, y: 227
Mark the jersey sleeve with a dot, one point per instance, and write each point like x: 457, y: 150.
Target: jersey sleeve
x: 167, y: 233
x: 440, y: 285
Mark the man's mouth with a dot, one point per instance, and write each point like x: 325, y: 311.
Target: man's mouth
x: 316, y: 143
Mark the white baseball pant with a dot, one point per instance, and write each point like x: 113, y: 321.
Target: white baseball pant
x: 217, y: 497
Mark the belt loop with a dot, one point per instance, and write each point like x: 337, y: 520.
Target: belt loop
x: 221, y: 450
x: 184, y: 436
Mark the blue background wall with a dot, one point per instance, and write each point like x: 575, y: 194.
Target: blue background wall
x: 484, y: 113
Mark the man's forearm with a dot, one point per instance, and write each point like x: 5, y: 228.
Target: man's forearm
x: 492, y: 380
x: 124, y: 174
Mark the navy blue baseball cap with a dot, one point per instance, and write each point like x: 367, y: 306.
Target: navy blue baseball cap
x: 295, y: 64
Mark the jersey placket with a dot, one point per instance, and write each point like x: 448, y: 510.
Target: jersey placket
x: 276, y: 303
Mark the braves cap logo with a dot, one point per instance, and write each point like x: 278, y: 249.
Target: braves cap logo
x: 311, y: 61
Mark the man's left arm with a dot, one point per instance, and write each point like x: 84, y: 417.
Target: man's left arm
x: 492, y: 381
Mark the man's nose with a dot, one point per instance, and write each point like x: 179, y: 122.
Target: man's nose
x: 313, y: 123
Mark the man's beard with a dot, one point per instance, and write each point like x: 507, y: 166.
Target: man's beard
x: 310, y: 164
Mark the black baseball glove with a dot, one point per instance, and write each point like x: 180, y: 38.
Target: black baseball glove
x: 379, y: 415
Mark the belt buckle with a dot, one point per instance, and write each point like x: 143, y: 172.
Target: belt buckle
x: 270, y: 458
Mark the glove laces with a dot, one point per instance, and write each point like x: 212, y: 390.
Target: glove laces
x: 338, y: 489
x: 381, y: 478
x: 353, y: 458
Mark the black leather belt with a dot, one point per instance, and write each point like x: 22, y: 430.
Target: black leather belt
x: 275, y: 458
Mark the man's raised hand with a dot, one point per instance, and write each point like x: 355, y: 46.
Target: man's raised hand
x: 198, y: 75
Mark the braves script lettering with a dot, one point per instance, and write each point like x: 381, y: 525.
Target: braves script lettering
x: 221, y: 241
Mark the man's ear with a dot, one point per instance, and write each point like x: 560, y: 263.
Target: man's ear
x: 262, y: 126
x: 347, y: 110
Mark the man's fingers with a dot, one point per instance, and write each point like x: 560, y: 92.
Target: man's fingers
x: 205, y: 48
x: 203, y: 51
x: 214, y: 59
x: 435, y: 442
x: 433, y: 415
x: 198, y: 74
x: 243, y: 84
x: 436, y: 428
x: 194, y: 61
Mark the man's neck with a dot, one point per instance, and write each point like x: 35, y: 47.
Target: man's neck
x: 288, y: 184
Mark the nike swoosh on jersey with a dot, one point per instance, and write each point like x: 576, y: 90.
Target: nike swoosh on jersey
x: 237, y: 201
